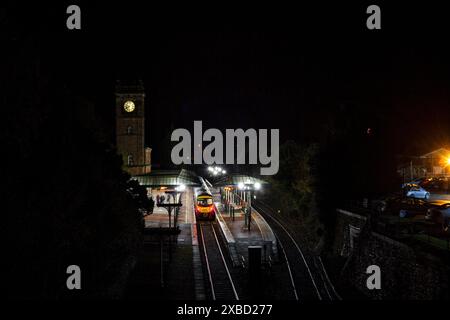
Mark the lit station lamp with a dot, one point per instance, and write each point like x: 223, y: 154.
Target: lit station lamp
x: 249, y: 186
x: 216, y: 170
x: 180, y: 188
x: 248, y: 189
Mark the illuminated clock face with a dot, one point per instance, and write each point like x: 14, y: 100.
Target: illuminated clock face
x: 129, y: 106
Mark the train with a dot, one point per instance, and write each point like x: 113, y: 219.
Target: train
x: 204, y: 203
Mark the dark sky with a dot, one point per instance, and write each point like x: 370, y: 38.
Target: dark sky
x: 259, y: 66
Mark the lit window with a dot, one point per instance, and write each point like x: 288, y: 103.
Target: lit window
x: 130, y: 160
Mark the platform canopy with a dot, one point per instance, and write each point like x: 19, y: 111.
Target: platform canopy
x: 235, y: 179
x: 168, y: 178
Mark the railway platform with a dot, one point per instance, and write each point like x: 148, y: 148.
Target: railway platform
x: 259, y: 234
x: 163, y: 261
x: 193, y: 264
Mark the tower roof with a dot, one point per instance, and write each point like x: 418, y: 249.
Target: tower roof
x: 130, y: 86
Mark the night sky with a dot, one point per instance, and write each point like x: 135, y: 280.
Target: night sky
x: 254, y: 67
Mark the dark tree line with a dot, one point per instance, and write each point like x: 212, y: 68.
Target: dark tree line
x: 66, y: 199
x: 351, y: 160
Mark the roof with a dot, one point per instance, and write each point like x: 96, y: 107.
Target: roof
x: 438, y: 151
x: 129, y: 86
x: 168, y: 178
x: 235, y: 179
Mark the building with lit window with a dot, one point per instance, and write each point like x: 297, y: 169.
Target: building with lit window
x: 433, y: 164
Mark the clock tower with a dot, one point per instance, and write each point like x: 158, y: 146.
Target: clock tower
x: 130, y: 128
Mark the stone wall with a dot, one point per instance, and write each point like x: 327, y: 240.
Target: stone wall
x: 407, y: 273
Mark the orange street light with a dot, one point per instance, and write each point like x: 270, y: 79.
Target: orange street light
x: 448, y: 161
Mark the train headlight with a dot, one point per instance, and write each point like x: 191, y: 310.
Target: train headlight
x: 257, y: 185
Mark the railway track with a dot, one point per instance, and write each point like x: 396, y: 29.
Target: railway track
x: 308, y: 276
x: 221, y: 283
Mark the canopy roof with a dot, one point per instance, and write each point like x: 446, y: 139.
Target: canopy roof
x: 168, y: 178
x: 235, y: 179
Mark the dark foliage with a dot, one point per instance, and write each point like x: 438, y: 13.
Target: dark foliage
x: 356, y: 160
x: 67, y: 200
x: 293, y: 189
x: 353, y: 161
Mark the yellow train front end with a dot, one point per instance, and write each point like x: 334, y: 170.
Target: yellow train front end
x: 204, y: 207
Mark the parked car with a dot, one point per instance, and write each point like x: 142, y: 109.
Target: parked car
x: 417, y: 181
x: 436, y: 184
x: 415, y: 191
x: 440, y: 215
x: 406, y: 207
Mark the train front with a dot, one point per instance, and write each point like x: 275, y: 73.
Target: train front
x: 204, y: 207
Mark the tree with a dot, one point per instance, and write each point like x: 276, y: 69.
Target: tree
x: 293, y: 188
x: 66, y: 200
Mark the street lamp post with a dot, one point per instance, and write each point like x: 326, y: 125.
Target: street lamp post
x: 249, y: 208
x: 177, y: 199
x: 174, y: 205
x: 247, y: 193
